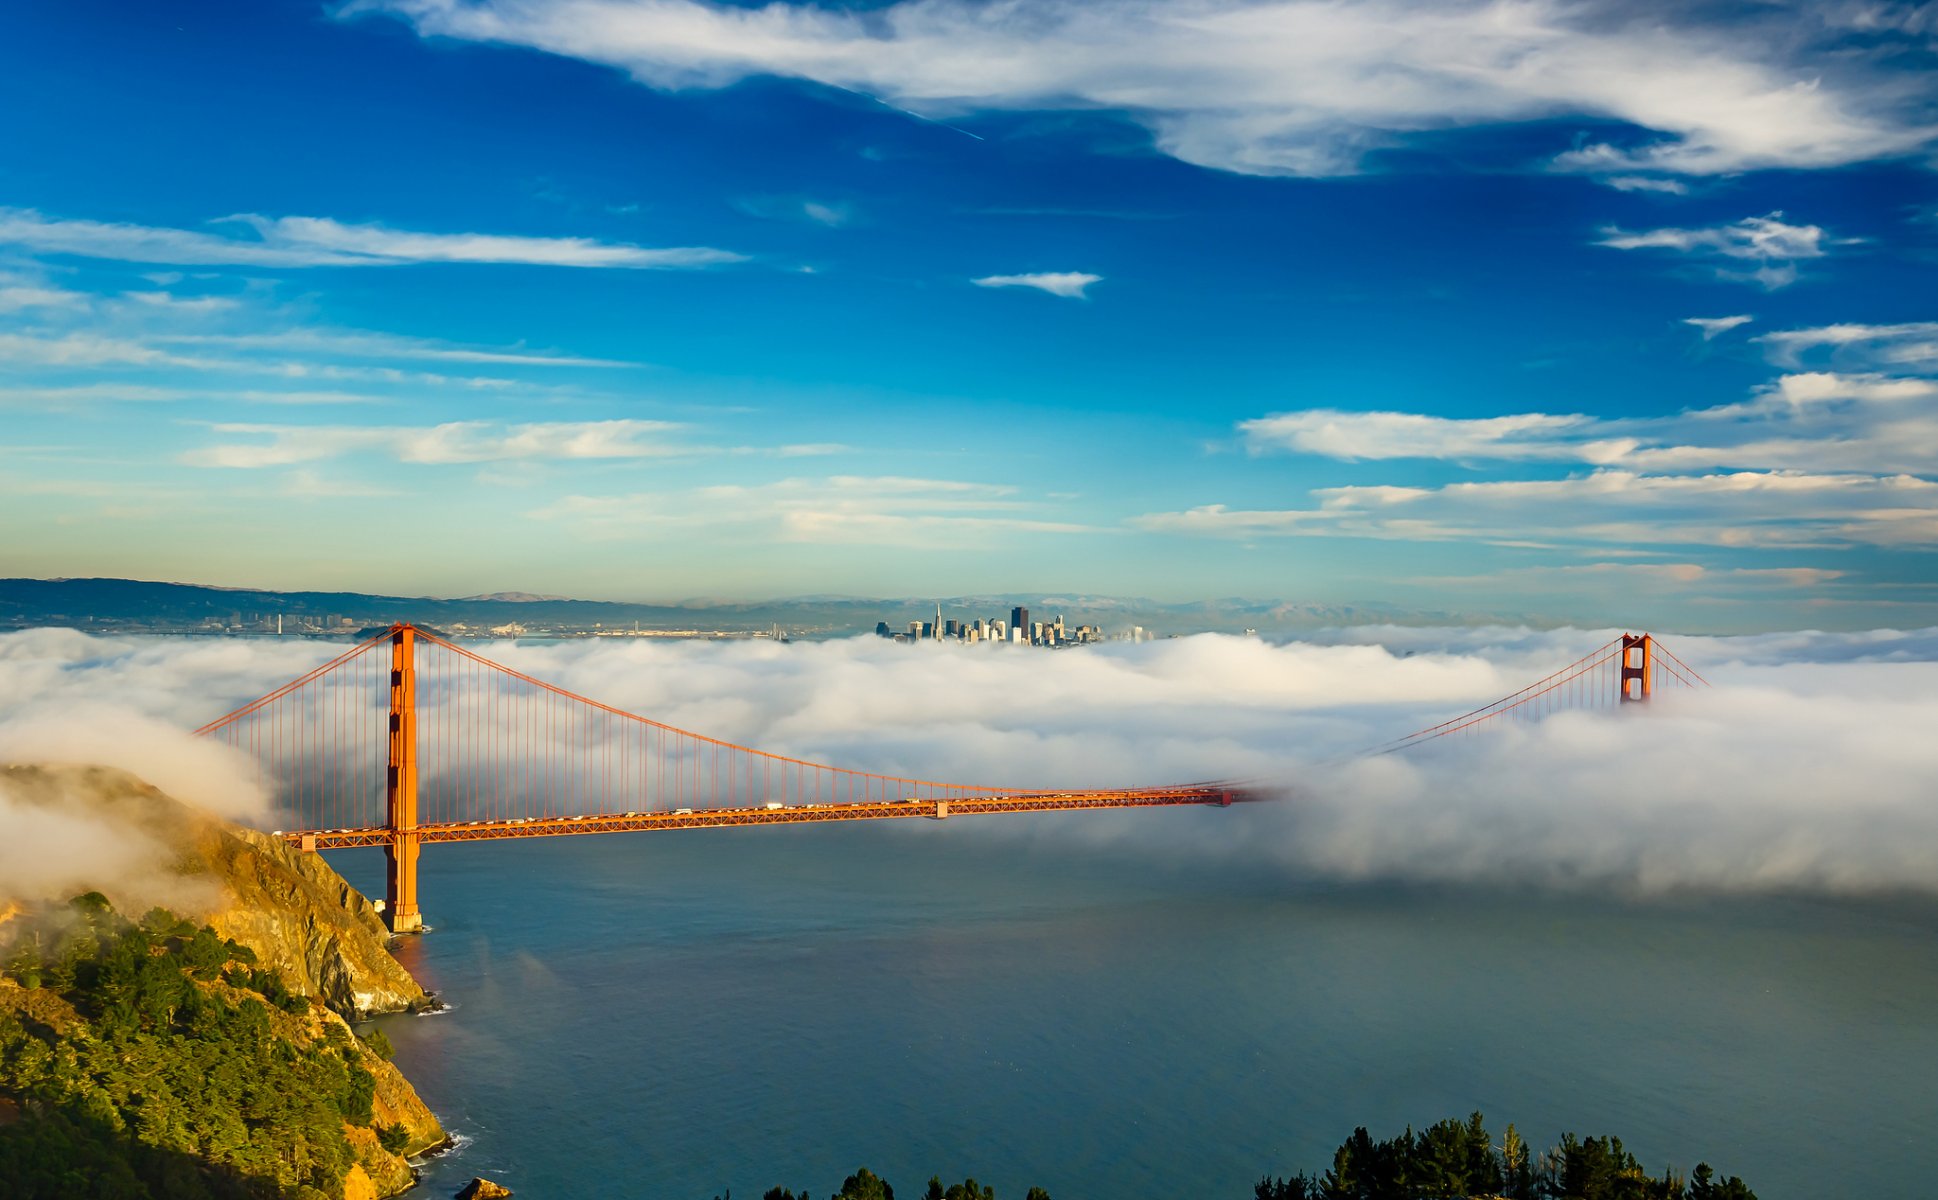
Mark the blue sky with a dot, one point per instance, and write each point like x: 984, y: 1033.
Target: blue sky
x: 1584, y: 311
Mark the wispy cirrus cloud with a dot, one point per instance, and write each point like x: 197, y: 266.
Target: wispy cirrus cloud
x: 831, y: 213
x: 19, y: 350
x: 1908, y: 346
x: 1288, y: 87
x: 839, y: 509
x: 356, y: 343
x: 296, y: 242
x: 1647, y: 183
x: 453, y: 442
x: 1714, y: 327
x: 1769, y: 241
x: 1354, y: 436
x: 287, y: 352
x: 21, y: 297
x: 1072, y: 285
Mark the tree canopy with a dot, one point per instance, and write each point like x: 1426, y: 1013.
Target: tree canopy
x: 144, y: 1058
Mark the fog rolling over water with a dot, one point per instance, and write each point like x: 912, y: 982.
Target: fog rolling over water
x: 1706, y: 926
x: 1807, y: 767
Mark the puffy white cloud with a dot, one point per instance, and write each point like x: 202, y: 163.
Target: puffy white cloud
x: 1304, y: 87
x: 323, y: 242
x: 1068, y: 284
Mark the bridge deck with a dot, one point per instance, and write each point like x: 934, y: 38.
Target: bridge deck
x: 765, y: 814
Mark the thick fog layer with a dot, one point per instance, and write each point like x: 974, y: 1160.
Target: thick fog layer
x: 1809, y: 765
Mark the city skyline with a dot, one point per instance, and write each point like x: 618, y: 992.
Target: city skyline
x: 701, y: 300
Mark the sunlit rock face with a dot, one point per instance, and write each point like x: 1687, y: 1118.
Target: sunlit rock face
x: 76, y: 829
x: 100, y: 829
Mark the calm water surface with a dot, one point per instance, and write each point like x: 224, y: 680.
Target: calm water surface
x: 677, y: 1014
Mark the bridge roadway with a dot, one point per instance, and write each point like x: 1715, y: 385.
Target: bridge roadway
x: 764, y: 814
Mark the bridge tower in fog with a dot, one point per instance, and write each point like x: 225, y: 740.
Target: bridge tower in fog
x: 1638, y: 668
x: 400, y: 785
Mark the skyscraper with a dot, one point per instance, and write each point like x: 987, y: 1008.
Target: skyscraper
x: 1019, y: 618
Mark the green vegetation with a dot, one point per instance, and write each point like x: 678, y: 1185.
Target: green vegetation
x: 1458, y: 1159
x: 153, y: 1058
x: 866, y: 1185
x: 1450, y: 1160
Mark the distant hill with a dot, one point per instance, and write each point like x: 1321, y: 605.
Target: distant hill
x: 131, y: 604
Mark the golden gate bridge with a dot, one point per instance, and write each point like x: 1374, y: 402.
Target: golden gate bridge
x: 407, y: 738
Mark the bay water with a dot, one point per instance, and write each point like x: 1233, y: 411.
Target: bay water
x: 684, y: 1014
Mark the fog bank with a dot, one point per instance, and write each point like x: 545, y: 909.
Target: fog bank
x: 1808, y: 766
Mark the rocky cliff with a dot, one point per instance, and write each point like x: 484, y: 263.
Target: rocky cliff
x: 296, y: 913
x: 142, y: 850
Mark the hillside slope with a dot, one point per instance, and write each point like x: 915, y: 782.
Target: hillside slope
x: 202, y: 1052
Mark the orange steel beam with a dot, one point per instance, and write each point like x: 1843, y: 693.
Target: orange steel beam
x: 713, y: 818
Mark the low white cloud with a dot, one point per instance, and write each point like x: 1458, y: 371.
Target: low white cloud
x: 1811, y: 421
x: 1379, y: 435
x: 1284, y: 87
x: 324, y: 242
x: 1738, y: 510
x: 1629, y: 574
x: 1068, y: 284
x: 1807, y: 766
x: 1714, y: 327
